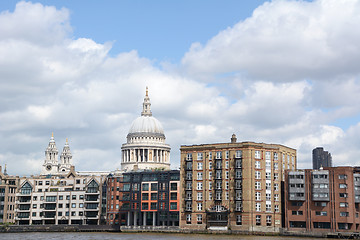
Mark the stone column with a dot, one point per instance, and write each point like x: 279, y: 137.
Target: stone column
x: 128, y: 218
x: 154, y: 219
x: 144, y: 222
x: 135, y: 219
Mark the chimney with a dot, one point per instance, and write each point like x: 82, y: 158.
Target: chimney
x: 233, y: 138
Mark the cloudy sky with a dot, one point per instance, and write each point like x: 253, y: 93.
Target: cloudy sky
x: 283, y: 72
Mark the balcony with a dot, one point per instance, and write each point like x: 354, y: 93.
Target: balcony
x: 91, y: 198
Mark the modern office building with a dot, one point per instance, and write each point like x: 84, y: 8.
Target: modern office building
x: 145, y: 147
x: 321, y: 158
x: 8, y: 187
x: 324, y: 200
x: 146, y: 198
x: 233, y: 185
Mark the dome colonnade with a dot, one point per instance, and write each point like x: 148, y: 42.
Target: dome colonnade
x: 145, y: 147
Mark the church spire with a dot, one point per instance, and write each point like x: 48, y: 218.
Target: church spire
x: 146, y: 105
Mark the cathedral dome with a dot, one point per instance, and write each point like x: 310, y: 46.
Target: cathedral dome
x: 146, y: 124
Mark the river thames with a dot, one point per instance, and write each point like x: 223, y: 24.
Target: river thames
x: 131, y: 236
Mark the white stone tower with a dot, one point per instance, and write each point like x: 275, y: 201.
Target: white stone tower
x: 51, y: 164
x: 65, y: 159
x: 145, y: 147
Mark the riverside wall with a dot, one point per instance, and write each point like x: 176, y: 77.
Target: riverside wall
x: 58, y: 228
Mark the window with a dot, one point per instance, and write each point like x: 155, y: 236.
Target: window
x: 276, y: 197
x: 258, y: 219
x: 173, y: 206
x: 218, y: 155
x: 238, y: 154
x: 276, y: 166
x: 268, y: 220
x: 268, y: 196
x: 200, y: 156
x: 73, y: 205
x: 268, y: 207
x: 210, y: 195
x: 297, y: 212
x: 200, y: 196
x: 188, y: 206
x: 199, y: 218
x: 257, y: 175
x: 257, y: 164
x: 257, y: 196
x: 153, y: 196
x: 226, y: 195
x: 238, y: 173
x: 227, y: 155
x: 344, y: 204
x: 258, y: 207
x: 145, y: 196
x: 227, y: 175
x: 227, y: 185
x: 210, y: 175
x: 199, y: 176
x: 276, y: 176
x: 257, y: 154
x: 145, y: 187
x: 154, y: 187
x: 238, y: 220
x: 145, y: 206
x: 188, y: 175
x: 258, y: 185
x: 238, y: 206
x: 238, y: 163
x: 34, y: 205
x: 276, y: 156
x: 344, y: 214
x: 199, y: 165
x: 210, y: 185
x: 227, y: 164
x: 342, y: 176
x: 210, y: 165
x: 276, y: 207
x: 342, y: 185
x: 189, y: 157
x: 268, y: 175
x: 188, y: 218
x: 321, y: 213
x: 343, y: 195
x: 268, y: 186
x: 320, y: 204
x: 276, y: 187
x: 73, y: 197
x: 199, y: 186
x: 199, y: 206
x: 210, y: 155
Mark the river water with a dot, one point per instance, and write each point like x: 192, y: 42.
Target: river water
x: 131, y: 236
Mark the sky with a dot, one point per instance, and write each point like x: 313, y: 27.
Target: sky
x: 283, y: 72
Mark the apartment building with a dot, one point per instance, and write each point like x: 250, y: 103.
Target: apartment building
x: 144, y: 198
x: 233, y: 185
x: 69, y: 199
x: 8, y: 187
x: 324, y: 200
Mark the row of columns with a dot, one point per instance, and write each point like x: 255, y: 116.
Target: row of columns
x: 145, y: 155
x: 144, y: 218
x: 132, y: 219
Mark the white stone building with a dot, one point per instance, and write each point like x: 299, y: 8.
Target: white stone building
x: 145, y: 147
x: 69, y: 199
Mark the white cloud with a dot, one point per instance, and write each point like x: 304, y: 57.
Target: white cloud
x: 72, y: 87
x: 285, y: 40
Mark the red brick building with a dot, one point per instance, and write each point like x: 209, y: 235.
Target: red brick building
x: 324, y: 200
